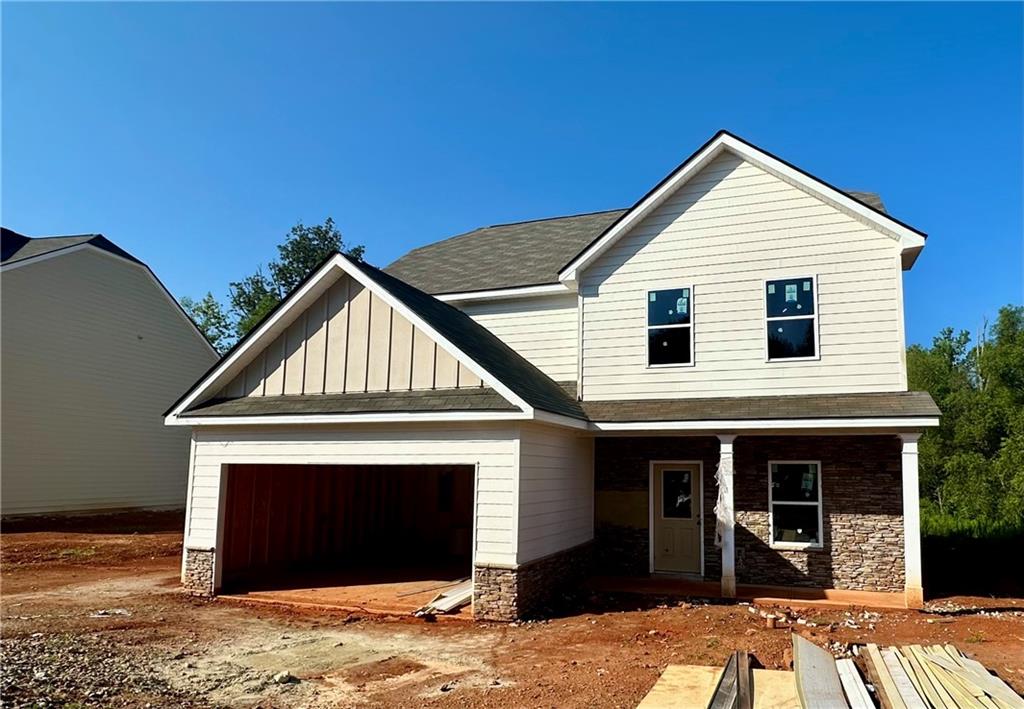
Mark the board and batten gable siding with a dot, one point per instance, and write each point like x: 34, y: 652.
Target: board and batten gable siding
x: 544, y: 330
x: 93, y: 353
x: 492, y: 448
x: 349, y: 340
x: 556, y: 491
x: 723, y: 233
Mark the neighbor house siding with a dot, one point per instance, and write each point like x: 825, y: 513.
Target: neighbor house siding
x: 723, y: 233
x: 542, y: 329
x: 94, y: 351
x: 349, y: 340
x: 492, y: 448
x: 556, y: 491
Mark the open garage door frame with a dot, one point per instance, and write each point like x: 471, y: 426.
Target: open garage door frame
x: 280, y: 519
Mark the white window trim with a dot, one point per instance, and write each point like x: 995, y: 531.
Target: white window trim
x: 795, y: 546
x: 814, y: 316
x: 647, y: 329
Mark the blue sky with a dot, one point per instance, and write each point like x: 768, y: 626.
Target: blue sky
x: 196, y: 135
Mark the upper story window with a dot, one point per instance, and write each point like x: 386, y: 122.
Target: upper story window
x: 670, y: 327
x: 792, y: 320
x: 794, y: 504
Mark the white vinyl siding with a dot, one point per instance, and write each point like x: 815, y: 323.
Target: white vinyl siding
x: 94, y: 351
x: 542, y: 329
x: 725, y: 232
x: 492, y: 448
x: 556, y: 491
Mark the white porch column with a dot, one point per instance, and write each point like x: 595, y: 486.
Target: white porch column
x: 725, y: 514
x: 913, y: 588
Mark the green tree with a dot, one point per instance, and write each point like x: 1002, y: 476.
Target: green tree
x: 972, y: 465
x: 209, y: 316
x: 251, y: 298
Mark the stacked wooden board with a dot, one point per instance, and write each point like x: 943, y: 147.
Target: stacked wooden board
x: 911, y: 677
x: 935, y: 677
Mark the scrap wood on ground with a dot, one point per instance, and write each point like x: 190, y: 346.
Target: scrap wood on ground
x: 936, y: 677
x: 911, y: 677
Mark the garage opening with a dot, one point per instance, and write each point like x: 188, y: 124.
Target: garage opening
x: 347, y: 535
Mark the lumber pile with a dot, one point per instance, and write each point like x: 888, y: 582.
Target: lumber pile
x: 934, y: 677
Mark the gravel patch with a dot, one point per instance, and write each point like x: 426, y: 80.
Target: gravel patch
x: 63, y: 669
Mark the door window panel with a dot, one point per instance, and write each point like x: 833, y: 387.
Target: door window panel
x: 677, y: 494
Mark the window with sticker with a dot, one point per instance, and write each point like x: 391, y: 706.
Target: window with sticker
x: 670, y: 327
x: 791, y: 318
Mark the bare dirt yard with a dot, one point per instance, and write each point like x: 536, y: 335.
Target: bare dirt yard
x: 92, y: 616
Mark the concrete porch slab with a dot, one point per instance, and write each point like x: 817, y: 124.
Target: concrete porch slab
x: 356, y: 591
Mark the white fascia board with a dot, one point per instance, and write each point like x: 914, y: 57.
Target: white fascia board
x: 559, y: 420
x: 314, y: 419
x: 137, y: 264
x: 504, y: 293
x: 740, y: 425
x: 908, y: 238
x: 312, y: 289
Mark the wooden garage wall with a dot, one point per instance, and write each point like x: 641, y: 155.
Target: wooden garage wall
x: 327, y: 516
x: 350, y: 340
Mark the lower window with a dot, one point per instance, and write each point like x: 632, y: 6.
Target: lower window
x: 794, y: 502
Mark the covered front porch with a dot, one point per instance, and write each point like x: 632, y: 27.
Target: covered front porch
x: 826, y: 515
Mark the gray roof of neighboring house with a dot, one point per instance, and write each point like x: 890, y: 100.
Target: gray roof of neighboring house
x: 515, y: 255
x: 18, y: 247
x: 802, y: 406
x: 475, y: 399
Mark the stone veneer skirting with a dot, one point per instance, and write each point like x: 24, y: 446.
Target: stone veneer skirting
x: 198, y: 575
x: 862, y: 510
x: 505, y: 594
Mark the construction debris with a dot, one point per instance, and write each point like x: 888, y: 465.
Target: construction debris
x: 936, y: 677
x: 448, y: 601
x: 817, y: 679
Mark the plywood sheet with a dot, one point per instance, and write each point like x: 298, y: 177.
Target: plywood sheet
x: 691, y: 686
x: 682, y: 687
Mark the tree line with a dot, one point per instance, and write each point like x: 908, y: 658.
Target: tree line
x: 972, y: 464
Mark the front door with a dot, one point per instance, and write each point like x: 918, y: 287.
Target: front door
x: 677, y: 517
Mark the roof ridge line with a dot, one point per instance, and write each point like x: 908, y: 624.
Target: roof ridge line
x: 551, y: 219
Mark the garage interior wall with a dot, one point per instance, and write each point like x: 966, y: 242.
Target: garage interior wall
x: 286, y: 519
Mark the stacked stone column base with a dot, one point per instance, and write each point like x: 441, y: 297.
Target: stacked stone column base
x: 505, y: 594
x: 197, y: 577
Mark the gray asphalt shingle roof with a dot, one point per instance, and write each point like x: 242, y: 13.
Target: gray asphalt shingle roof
x: 476, y: 399
x: 501, y: 256
x: 515, y: 255
x: 18, y: 247
x: 804, y: 406
x: 479, y: 344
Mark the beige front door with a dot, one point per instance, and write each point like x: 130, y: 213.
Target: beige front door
x: 677, y: 517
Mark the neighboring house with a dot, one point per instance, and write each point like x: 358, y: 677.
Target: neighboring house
x: 597, y: 392
x: 92, y: 350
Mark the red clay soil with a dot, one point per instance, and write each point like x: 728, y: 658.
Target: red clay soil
x: 96, y: 618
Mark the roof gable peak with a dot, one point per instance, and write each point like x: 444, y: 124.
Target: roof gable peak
x: 857, y: 204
